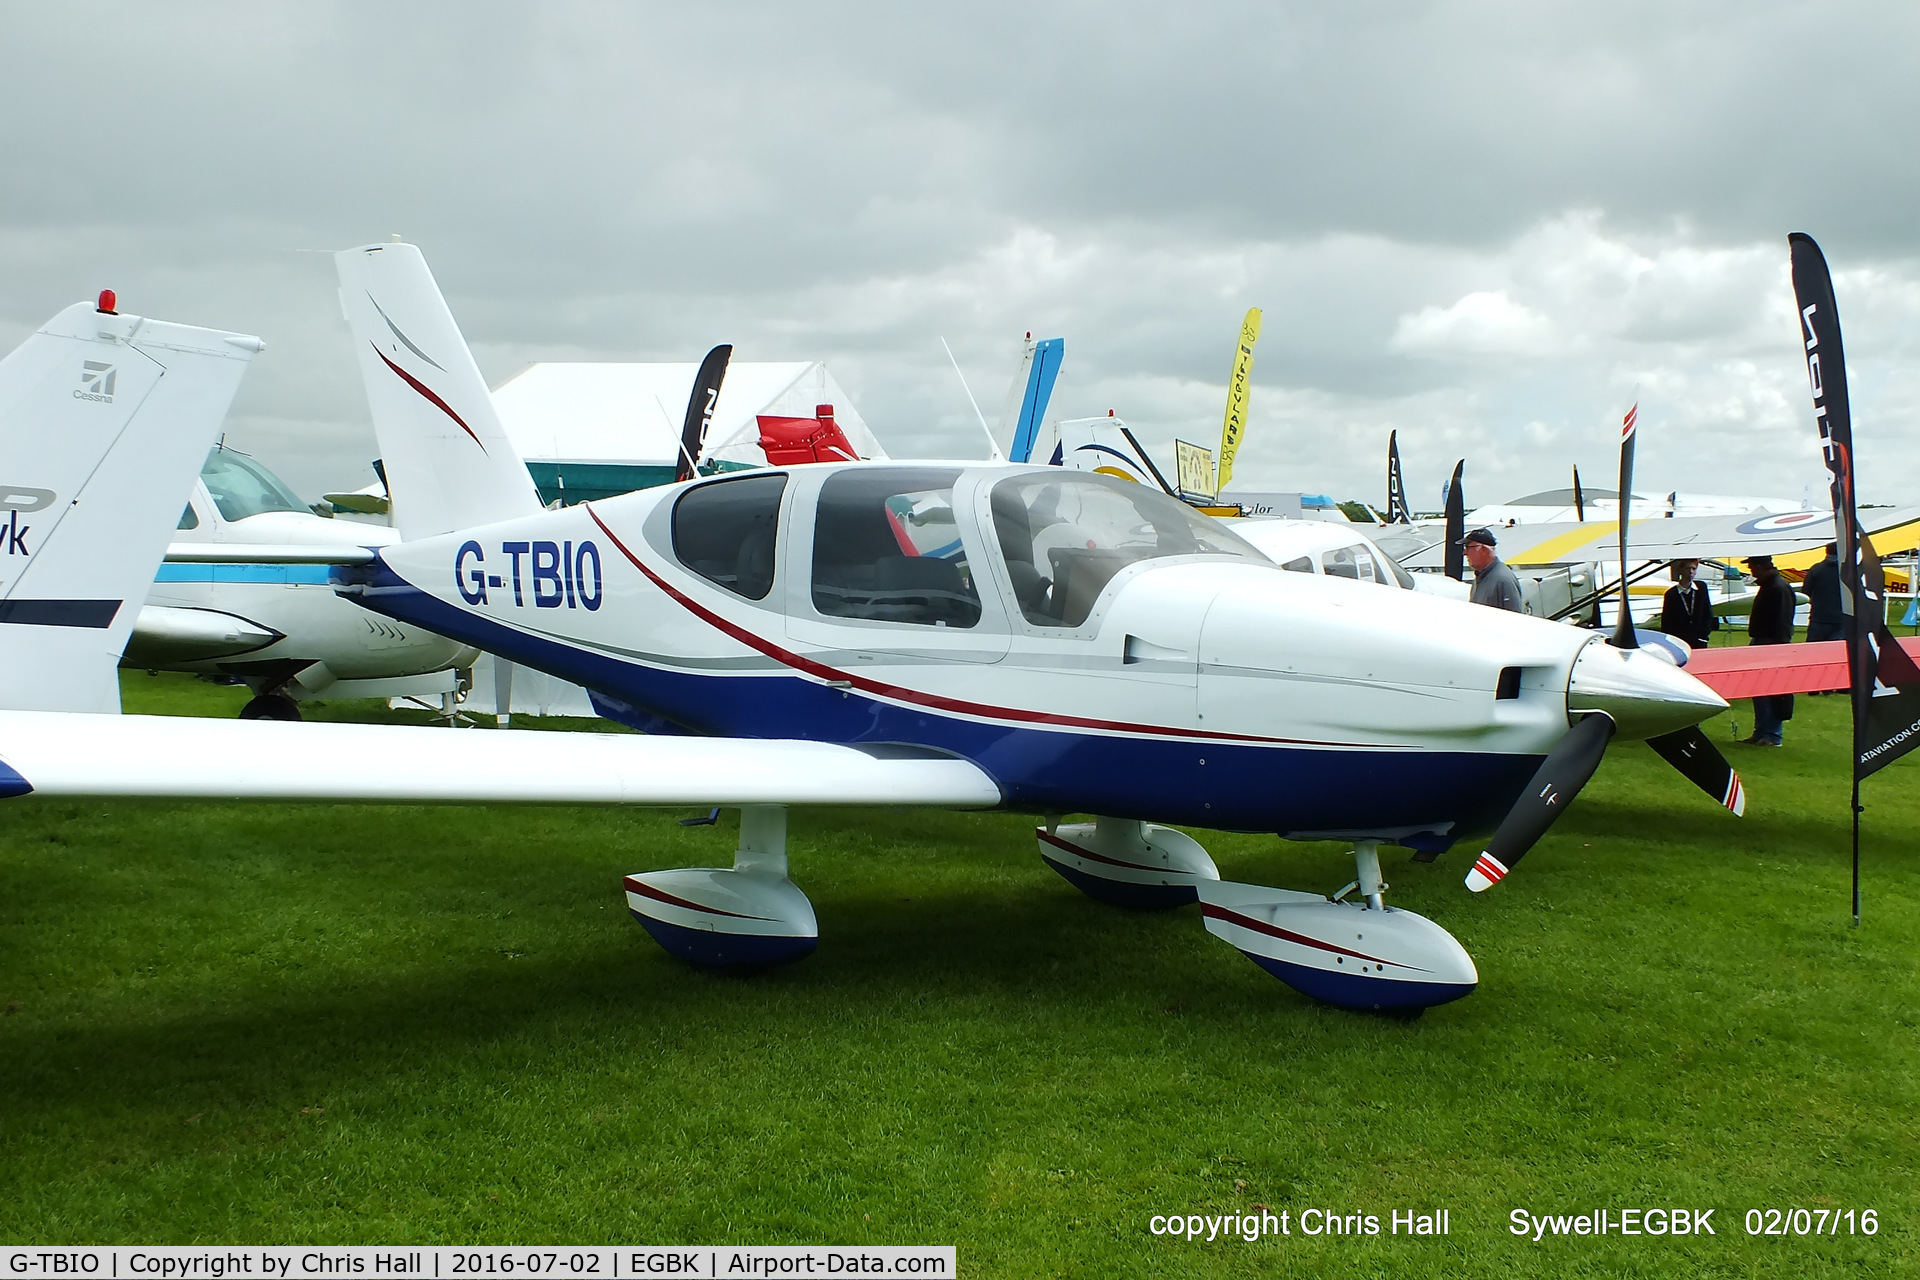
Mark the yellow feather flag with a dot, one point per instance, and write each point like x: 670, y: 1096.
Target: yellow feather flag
x: 1235, y: 425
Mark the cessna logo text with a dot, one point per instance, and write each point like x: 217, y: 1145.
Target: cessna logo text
x: 96, y: 381
x: 546, y: 574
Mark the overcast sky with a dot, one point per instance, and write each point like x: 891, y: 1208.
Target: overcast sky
x: 1483, y: 224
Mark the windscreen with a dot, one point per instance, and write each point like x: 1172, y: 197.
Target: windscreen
x: 1066, y: 534
x: 242, y: 487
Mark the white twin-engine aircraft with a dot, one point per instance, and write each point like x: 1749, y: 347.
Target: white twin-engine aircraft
x: 958, y: 635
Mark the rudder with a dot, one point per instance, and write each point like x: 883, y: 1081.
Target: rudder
x: 449, y: 463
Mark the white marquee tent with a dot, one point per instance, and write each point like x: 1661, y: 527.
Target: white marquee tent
x: 616, y: 427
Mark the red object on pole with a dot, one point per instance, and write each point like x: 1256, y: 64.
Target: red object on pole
x: 790, y: 442
x: 108, y: 301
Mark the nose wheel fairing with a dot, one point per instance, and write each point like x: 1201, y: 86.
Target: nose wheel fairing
x: 1354, y: 954
x: 1349, y: 954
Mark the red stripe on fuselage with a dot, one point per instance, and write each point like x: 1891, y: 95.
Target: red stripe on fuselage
x: 936, y: 701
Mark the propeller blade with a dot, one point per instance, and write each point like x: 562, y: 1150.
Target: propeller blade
x: 1623, y: 637
x: 1560, y: 777
x: 1700, y: 762
x: 1579, y: 499
x: 1456, y: 525
x: 706, y: 393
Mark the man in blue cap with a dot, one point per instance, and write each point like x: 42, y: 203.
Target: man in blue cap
x: 1493, y: 583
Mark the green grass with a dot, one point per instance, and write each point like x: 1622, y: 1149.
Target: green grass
x: 275, y: 1024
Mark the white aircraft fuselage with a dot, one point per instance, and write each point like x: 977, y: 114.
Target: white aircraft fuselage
x: 279, y: 625
x: 1192, y: 682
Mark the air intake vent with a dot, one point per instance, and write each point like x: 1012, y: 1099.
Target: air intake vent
x: 1509, y: 686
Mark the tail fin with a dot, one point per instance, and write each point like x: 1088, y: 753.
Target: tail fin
x: 1104, y: 445
x: 1033, y: 385
x: 104, y: 422
x: 448, y: 460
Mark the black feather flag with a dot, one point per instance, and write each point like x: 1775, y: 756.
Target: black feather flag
x: 1456, y: 525
x: 706, y: 394
x: 1398, y: 510
x: 1886, y: 682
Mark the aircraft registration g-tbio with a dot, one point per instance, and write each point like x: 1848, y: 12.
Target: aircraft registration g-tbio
x: 958, y: 635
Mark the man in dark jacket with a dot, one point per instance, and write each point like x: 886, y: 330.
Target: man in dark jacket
x: 1825, y: 621
x: 1685, y: 612
x: 1771, y: 622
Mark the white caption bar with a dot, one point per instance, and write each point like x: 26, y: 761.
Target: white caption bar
x: 374, y: 1262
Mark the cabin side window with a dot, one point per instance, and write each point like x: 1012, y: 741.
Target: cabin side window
x: 886, y: 548
x: 726, y: 532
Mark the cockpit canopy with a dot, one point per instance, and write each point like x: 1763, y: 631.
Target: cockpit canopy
x: 1065, y: 534
x: 891, y: 543
x: 241, y: 487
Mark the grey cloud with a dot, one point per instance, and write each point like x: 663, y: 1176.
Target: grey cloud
x: 852, y: 181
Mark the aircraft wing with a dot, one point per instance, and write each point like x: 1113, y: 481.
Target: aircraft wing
x: 71, y: 754
x: 264, y: 553
x: 1759, y: 671
x: 1683, y: 537
x: 1421, y: 544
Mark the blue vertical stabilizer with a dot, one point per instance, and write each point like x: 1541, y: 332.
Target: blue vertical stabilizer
x: 1033, y: 405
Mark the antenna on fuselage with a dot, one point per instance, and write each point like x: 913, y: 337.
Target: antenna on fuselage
x: 985, y: 430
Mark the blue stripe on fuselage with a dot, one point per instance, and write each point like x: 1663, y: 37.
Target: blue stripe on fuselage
x: 281, y: 574
x: 1228, y: 786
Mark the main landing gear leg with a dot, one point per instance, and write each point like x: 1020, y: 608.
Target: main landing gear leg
x: 1366, y: 866
x: 748, y: 917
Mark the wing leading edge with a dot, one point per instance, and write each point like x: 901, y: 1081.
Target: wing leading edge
x: 65, y: 754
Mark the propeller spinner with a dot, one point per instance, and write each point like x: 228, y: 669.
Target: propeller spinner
x: 1614, y: 690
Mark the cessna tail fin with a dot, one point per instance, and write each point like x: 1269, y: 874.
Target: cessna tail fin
x: 104, y: 422
x: 449, y: 462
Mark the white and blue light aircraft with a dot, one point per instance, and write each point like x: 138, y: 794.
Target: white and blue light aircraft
x: 277, y: 625
x: 957, y: 635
